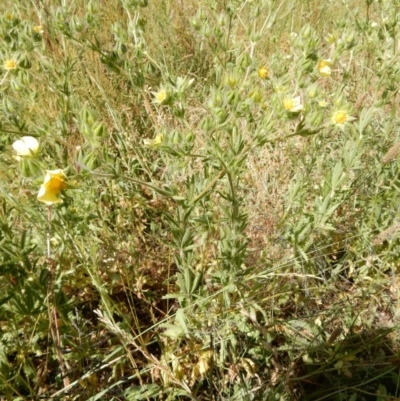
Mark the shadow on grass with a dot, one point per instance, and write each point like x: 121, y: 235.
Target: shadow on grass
x: 360, y: 366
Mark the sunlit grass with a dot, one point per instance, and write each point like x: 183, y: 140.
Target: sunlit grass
x: 199, y: 200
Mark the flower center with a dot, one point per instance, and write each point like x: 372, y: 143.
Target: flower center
x: 263, y: 72
x: 38, y: 29
x: 340, y: 117
x: 55, y: 184
x: 288, y: 104
x: 161, y: 96
x: 323, y: 64
x: 10, y: 64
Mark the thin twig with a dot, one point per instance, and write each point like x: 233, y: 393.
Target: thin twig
x: 48, y: 234
x: 55, y: 332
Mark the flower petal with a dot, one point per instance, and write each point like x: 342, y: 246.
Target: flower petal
x: 47, y: 196
x: 53, y: 184
x: 26, y: 146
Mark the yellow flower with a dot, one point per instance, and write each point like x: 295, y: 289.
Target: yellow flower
x: 293, y: 104
x: 161, y: 96
x: 263, y: 72
x: 324, y: 67
x: 38, y: 29
x: 341, y: 117
x: 10, y: 64
x: 323, y: 103
x: 50, y: 190
x: 26, y: 146
x: 153, y: 143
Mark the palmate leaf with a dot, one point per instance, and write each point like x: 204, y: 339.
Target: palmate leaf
x: 303, y: 131
x: 5, y: 299
x: 27, y: 304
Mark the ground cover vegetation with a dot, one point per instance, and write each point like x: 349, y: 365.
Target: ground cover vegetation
x: 199, y: 200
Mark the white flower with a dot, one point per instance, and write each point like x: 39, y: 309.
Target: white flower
x: 293, y: 104
x: 26, y: 146
x: 324, y: 67
x: 341, y: 118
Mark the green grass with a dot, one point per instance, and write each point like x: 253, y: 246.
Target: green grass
x: 229, y: 217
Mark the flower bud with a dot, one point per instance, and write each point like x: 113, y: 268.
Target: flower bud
x: 88, y: 116
x: 91, y: 7
x: 256, y: 95
x: 305, y: 32
x: 312, y: 91
x: 16, y: 86
x: 232, y: 97
x: 8, y: 105
x: 245, y: 61
x: 99, y: 130
x: 231, y: 80
x: 206, y: 124
x: 222, y: 116
x: 24, y: 77
x: 189, y: 137
x: 178, y: 111
x: 76, y: 24
x: 91, y: 160
x: 349, y: 38
x: 332, y: 37
x: 216, y: 99
x: 196, y: 23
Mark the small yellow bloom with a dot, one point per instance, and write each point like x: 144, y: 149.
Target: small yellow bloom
x: 38, y: 29
x: 324, y: 67
x: 323, y: 103
x: 26, y: 146
x: 9, y: 16
x: 50, y: 190
x: 153, y: 143
x: 10, y: 64
x: 341, y: 117
x: 293, y: 104
x: 263, y: 72
x: 161, y: 96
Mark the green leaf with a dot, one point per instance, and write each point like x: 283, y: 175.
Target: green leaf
x: 181, y: 319
x: 173, y: 331
x: 138, y: 393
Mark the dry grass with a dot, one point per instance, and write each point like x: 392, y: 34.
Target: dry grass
x: 243, y: 251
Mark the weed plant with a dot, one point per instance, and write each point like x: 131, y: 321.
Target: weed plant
x: 199, y: 200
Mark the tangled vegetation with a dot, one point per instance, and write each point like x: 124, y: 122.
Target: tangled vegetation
x: 199, y: 200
